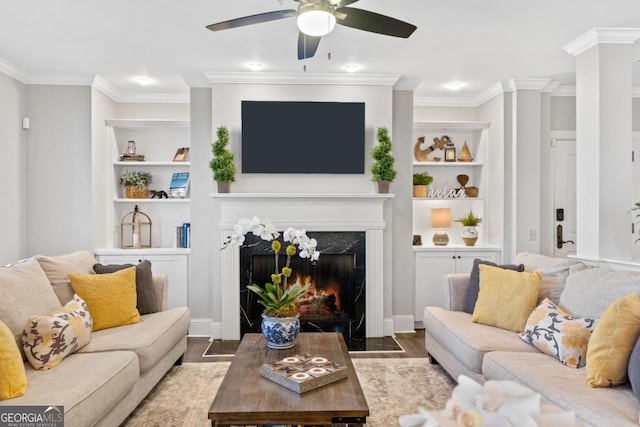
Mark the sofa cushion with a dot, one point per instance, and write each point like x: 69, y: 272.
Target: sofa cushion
x: 634, y: 369
x: 612, y: 341
x: 469, y: 341
x: 13, y: 378
x: 146, y: 297
x: 149, y: 339
x: 111, y: 297
x: 554, y: 272
x: 471, y: 295
x: 557, y: 333
x: 58, y: 268
x: 506, y: 297
x: 47, y: 339
x: 24, y: 290
x: 589, y: 291
x: 564, y: 387
x: 87, y: 385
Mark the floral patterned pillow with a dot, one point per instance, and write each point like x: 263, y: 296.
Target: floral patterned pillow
x: 557, y: 333
x: 46, y: 340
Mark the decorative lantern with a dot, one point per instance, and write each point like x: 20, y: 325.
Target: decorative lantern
x: 135, y: 230
x: 450, y: 152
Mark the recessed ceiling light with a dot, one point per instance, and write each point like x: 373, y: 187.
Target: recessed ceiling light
x: 144, y: 81
x: 255, y: 66
x: 351, y: 68
x: 455, y: 85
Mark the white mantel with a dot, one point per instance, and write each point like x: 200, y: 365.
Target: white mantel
x: 313, y: 212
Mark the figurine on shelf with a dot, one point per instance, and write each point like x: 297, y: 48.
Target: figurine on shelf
x: 438, y: 143
x: 160, y: 194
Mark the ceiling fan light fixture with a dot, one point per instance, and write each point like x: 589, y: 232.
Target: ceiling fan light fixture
x: 316, y: 19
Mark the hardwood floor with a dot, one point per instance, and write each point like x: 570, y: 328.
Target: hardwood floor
x: 412, y: 343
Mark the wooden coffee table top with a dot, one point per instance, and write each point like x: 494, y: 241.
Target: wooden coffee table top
x: 245, y: 397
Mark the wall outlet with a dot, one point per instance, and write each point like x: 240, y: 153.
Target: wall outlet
x: 532, y: 234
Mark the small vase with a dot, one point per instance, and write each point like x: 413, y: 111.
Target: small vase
x: 224, y: 187
x: 382, y: 187
x: 469, y: 235
x: 280, y: 332
x: 420, y: 190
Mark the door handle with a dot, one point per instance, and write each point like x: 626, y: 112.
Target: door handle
x: 559, y: 241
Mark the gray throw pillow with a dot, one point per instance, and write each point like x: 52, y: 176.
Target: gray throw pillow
x: 634, y: 369
x: 474, y: 282
x: 144, y: 283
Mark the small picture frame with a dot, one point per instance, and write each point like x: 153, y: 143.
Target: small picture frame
x: 181, y: 154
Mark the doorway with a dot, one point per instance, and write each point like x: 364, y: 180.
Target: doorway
x: 563, y: 169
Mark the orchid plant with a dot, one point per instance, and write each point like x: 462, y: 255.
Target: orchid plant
x: 279, y: 298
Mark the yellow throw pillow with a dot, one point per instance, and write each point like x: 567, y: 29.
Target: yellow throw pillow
x: 46, y: 340
x: 13, y: 377
x: 611, y: 342
x: 506, y: 297
x: 111, y: 297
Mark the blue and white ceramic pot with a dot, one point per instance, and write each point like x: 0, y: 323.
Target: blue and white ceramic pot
x: 280, y: 332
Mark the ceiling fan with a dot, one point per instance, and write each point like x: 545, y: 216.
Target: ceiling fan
x: 316, y: 18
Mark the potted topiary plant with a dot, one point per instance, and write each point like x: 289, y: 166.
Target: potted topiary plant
x: 382, y: 167
x: 469, y: 228
x: 421, y: 183
x: 224, y: 170
x: 136, y: 184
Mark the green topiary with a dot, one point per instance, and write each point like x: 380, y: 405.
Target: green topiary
x: 224, y: 170
x: 382, y: 167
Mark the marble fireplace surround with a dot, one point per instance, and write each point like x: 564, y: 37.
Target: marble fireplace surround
x: 313, y: 212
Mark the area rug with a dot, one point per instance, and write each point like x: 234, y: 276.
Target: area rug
x: 392, y: 387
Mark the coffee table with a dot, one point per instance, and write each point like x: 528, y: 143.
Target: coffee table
x: 246, y: 398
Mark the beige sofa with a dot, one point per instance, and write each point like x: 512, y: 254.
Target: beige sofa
x: 103, y: 382
x: 489, y: 353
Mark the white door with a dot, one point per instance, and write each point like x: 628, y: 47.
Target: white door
x: 563, y: 158
x: 636, y: 195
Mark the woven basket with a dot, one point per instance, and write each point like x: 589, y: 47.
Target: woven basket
x: 133, y: 192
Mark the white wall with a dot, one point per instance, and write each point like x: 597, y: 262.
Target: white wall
x: 152, y: 111
x: 58, y: 169
x: 12, y: 170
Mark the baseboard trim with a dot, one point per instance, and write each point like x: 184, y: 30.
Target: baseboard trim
x: 201, y: 328
x: 404, y: 324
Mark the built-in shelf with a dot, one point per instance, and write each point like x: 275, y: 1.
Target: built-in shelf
x: 154, y: 163
x: 134, y: 123
x: 447, y: 164
x: 145, y: 251
x: 453, y: 248
x: 127, y: 200
x: 301, y: 196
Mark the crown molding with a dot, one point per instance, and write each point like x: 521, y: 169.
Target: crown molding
x: 406, y: 84
x: 529, y: 84
x: 13, y: 70
x: 444, y: 101
x: 602, y: 36
x: 105, y: 87
x: 301, y: 78
x: 196, y: 80
x: 492, y: 91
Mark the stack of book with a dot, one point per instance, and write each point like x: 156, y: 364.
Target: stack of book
x: 183, y: 235
x: 131, y: 157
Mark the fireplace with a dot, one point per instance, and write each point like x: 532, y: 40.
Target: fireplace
x: 322, y: 212
x: 336, y: 301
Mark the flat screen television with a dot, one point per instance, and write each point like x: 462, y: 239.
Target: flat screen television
x: 303, y: 137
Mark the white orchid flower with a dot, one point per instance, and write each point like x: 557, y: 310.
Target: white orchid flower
x: 314, y: 256
x: 236, y: 239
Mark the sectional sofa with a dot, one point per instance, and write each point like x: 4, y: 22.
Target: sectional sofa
x: 484, y: 352
x: 101, y: 383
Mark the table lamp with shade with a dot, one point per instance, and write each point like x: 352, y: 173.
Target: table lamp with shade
x: 440, y: 218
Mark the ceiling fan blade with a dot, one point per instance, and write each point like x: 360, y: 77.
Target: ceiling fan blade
x: 253, y: 19
x: 307, y: 45
x: 374, y: 22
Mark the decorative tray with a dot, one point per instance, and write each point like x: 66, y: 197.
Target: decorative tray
x: 301, y: 373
